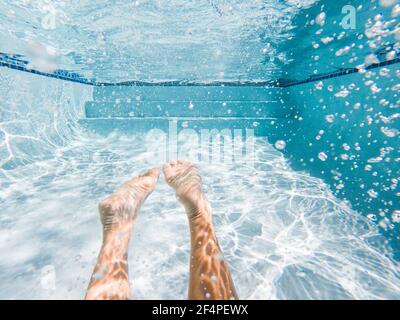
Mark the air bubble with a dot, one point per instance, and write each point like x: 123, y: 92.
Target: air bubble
x: 320, y: 19
x: 396, y: 216
x: 330, y: 118
x: 280, y: 144
x: 372, y: 193
x: 322, y: 156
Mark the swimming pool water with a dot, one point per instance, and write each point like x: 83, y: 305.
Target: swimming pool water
x: 312, y: 212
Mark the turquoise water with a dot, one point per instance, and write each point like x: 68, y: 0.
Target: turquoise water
x: 353, y: 120
x: 304, y: 180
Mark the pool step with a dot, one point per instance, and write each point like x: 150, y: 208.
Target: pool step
x: 130, y: 109
x: 139, y: 102
x: 105, y: 126
x: 185, y: 109
x: 195, y: 93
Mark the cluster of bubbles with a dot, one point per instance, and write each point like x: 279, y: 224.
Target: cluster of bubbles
x: 378, y: 105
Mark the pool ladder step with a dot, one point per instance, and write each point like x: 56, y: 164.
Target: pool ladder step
x: 105, y: 126
x: 141, y: 109
x: 212, y: 109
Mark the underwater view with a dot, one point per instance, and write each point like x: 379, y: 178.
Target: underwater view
x: 272, y: 125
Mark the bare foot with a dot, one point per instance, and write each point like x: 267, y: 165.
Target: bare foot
x: 110, y: 279
x: 185, y: 178
x: 118, y: 212
x: 209, y: 274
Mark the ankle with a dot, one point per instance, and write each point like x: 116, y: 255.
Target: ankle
x: 193, y: 200
x: 199, y: 216
x: 117, y: 236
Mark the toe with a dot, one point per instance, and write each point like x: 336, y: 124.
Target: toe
x: 186, y: 164
x: 152, y: 172
x: 155, y: 172
x: 149, y: 179
x: 168, y: 171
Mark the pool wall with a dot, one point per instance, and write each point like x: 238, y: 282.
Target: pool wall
x: 38, y: 116
x: 346, y: 129
x: 347, y: 133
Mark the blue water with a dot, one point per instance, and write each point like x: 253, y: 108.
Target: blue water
x: 303, y: 179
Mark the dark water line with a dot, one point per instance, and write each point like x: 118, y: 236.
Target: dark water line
x: 13, y: 62
x: 339, y: 73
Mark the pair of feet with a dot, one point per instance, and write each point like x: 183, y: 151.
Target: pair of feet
x: 209, y: 274
x: 118, y: 212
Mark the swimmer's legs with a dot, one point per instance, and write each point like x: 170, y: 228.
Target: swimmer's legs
x: 209, y: 274
x: 110, y: 280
